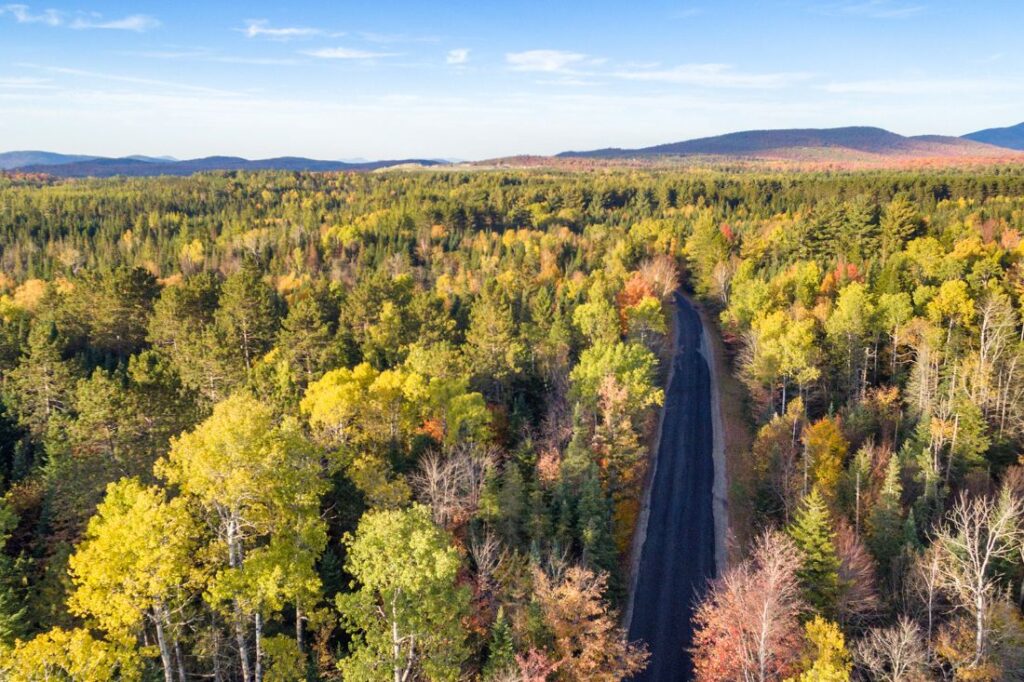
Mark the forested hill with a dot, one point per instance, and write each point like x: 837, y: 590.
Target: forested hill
x: 291, y: 426
x: 1011, y: 137
x: 80, y: 167
x: 827, y: 143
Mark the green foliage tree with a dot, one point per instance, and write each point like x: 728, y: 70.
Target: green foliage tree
x: 813, y: 535
x: 406, y: 608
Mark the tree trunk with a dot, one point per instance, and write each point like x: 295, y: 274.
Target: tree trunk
x: 165, y: 651
x: 181, y: 660
x: 243, y: 648
x: 258, y: 628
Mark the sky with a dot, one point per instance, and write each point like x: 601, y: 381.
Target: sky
x: 479, y: 79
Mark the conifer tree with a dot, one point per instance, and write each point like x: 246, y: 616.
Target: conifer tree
x: 814, y: 537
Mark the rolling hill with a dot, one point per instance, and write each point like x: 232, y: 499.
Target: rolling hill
x: 809, y: 144
x: 18, y: 159
x: 1011, y: 137
x: 79, y: 167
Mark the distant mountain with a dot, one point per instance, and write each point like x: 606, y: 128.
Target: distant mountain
x: 145, y: 166
x: 9, y: 160
x: 808, y: 144
x: 1010, y: 138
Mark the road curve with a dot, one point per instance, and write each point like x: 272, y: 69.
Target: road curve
x: 678, y: 555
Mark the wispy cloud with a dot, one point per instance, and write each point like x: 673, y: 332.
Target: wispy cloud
x: 23, y: 15
x: 457, y: 56
x: 712, y: 76
x: 261, y: 28
x: 139, y: 23
x: 548, y: 61
x: 26, y: 83
x: 348, y: 53
x: 133, y: 80
x: 873, y: 9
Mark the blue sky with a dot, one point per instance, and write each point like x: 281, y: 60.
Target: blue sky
x: 482, y: 79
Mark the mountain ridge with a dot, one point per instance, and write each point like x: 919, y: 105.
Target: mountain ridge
x: 794, y: 143
x: 1010, y: 137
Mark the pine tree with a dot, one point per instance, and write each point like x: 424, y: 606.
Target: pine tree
x: 40, y: 387
x: 249, y: 313
x: 819, y: 572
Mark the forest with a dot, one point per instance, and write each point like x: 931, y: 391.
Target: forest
x: 395, y: 426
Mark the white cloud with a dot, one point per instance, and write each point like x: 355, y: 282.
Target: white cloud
x: 136, y: 22
x: 548, y: 61
x: 23, y: 15
x: 347, y: 53
x: 260, y: 28
x: 712, y: 76
x: 457, y: 56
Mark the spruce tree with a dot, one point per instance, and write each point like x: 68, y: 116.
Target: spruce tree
x: 501, y: 651
x: 814, y: 537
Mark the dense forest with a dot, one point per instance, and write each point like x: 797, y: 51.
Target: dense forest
x: 395, y: 426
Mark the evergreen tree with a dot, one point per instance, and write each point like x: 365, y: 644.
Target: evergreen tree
x: 501, y: 650
x: 40, y: 387
x: 249, y: 314
x: 813, y: 535
x: 885, y: 525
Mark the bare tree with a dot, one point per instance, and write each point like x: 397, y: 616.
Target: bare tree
x: 747, y: 626
x: 980, y: 533
x: 451, y: 486
x: 893, y: 654
x: 662, y: 274
x: 487, y: 555
x: 923, y: 591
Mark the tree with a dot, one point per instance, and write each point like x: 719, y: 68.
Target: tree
x: 747, y: 625
x: 825, y: 448
x: 493, y: 349
x: 893, y: 654
x: 633, y: 368
x: 588, y: 642
x: 258, y: 485
x: 826, y: 658
x: 814, y: 537
x: 249, y: 314
x: 12, y: 604
x: 40, y: 387
x: 406, y: 608
x: 114, y: 308
x: 306, y: 332
x: 60, y: 654
x: 848, y: 329
x: 900, y: 223
x: 134, y: 564
x: 981, y: 534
